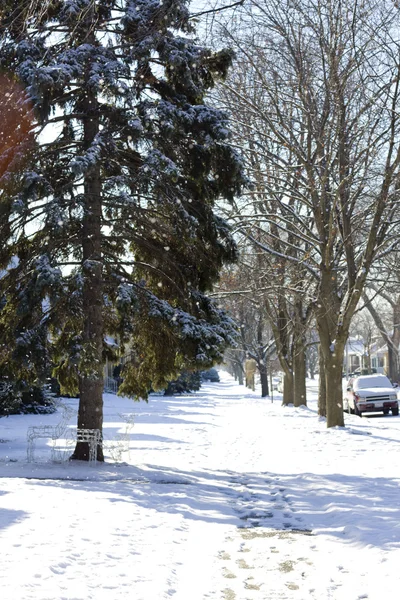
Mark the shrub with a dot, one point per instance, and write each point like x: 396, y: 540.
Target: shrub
x: 188, y: 381
x: 18, y: 399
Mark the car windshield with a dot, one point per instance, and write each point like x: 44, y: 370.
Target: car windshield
x: 362, y: 383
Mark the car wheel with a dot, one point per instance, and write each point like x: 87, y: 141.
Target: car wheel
x: 386, y: 411
x: 357, y: 410
x: 395, y: 411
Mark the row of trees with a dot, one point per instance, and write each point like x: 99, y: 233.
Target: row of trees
x: 315, y: 96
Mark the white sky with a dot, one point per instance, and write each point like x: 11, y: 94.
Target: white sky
x: 205, y: 505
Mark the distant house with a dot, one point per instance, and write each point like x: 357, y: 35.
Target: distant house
x: 380, y: 357
x: 360, y: 356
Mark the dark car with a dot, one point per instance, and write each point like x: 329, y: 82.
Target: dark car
x: 210, y: 375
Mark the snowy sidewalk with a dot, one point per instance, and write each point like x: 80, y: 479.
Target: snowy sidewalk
x: 226, y: 496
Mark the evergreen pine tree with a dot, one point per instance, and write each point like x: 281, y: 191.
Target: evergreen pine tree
x: 110, y: 220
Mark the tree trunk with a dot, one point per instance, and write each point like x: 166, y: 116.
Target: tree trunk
x: 333, y: 336
x: 393, y: 363
x: 393, y: 348
x: 262, y: 367
x: 90, y: 414
x: 282, y: 331
x: 239, y: 373
x: 300, y: 394
x: 321, y: 385
x: 334, y: 390
x: 288, y: 381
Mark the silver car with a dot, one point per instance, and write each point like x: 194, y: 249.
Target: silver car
x: 370, y: 393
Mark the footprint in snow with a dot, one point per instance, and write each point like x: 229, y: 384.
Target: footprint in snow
x: 59, y: 569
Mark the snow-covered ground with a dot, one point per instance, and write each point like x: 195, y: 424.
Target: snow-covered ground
x: 223, y: 495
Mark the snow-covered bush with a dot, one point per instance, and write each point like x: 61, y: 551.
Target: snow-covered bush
x: 186, y: 382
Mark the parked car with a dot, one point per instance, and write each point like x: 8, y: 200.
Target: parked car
x: 370, y: 393
x: 210, y: 375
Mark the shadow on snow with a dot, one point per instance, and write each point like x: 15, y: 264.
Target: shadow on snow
x: 355, y: 509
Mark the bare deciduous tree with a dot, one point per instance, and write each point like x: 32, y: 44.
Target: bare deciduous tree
x: 324, y: 83
x: 240, y: 293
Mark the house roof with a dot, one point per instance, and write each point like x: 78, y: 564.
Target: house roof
x: 355, y: 346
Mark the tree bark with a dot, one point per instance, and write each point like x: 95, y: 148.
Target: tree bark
x: 262, y: 367
x: 395, y: 367
x: 393, y: 363
x: 299, y: 392
x: 333, y: 334
x: 334, y: 395
x: 288, y: 381
x: 321, y: 385
x: 238, y: 370
x: 283, y: 332
x: 333, y: 361
x: 264, y: 379
x: 90, y: 414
